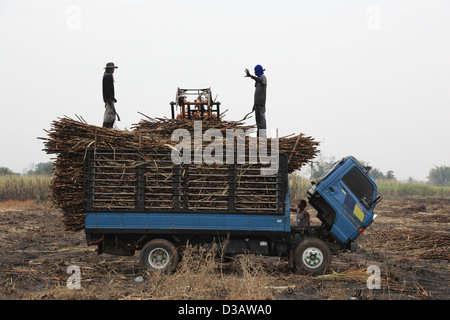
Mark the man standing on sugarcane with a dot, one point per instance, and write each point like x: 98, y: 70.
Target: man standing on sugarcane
x: 259, y: 105
x: 109, y: 96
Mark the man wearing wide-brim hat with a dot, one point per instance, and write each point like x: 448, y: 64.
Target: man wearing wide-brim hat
x: 109, y: 96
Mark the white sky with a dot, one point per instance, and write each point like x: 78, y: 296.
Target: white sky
x: 365, y: 78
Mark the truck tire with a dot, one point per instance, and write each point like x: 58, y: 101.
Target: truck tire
x: 159, y: 255
x: 312, y: 256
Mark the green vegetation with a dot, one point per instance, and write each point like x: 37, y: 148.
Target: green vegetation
x: 42, y: 168
x: 299, y: 185
x: 378, y: 175
x: 395, y: 189
x: 440, y: 176
x: 5, y: 171
x: 34, y: 185
x: 27, y: 187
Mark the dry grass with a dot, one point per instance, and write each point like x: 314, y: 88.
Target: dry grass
x: 22, y: 188
x: 413, y: 244
x: 350, y: 275
x: 201, y: 275
x: 298, y: 185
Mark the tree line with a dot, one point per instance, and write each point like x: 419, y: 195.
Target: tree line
x: 42, y: 168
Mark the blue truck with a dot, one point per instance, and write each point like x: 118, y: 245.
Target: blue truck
x: 138, y: 200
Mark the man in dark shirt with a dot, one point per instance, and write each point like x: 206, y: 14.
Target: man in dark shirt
x: 259, y: 105
x: 109, y: 96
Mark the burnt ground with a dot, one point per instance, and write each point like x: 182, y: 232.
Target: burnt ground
x: 409, y: 242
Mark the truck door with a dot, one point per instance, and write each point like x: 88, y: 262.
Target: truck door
x: 353, y: 194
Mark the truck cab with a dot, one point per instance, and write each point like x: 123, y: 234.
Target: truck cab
x: 345, y: 197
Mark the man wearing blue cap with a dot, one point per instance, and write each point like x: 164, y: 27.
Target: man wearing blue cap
x: 259, y: 105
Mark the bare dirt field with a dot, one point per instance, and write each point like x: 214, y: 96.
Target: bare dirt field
x: 408, y: 242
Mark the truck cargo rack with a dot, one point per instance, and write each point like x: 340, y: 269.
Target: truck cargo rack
x: 148, y: 181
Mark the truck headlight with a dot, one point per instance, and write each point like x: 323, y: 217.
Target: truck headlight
x: 311, y: 190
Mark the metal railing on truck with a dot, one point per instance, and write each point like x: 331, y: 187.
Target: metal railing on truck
x: 149, y: 181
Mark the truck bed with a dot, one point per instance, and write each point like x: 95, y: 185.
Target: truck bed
x: 143, y: 191
x: 156, y: 222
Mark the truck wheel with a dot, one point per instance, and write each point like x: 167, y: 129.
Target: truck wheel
x: 312, y: 256
x: 159, y: 255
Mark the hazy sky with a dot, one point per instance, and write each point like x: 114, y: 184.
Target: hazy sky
x: 365, y: 78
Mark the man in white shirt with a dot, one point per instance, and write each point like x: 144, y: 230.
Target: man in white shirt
x: 302, y: 218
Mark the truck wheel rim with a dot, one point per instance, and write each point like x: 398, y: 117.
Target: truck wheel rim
x: 313, y: 257
x: 158, y: 258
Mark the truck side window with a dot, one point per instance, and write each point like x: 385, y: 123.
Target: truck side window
x: 358, y: 184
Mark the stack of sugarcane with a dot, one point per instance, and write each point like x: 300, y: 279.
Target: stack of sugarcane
x: 299, y: 149
x: 71, y: 139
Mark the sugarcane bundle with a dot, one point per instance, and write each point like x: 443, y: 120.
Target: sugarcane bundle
x: 300, y: 149
x: 70, y: 140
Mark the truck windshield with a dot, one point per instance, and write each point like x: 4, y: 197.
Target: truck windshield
x: 360, y: 186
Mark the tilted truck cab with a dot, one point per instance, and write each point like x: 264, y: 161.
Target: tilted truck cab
x: 345, y: 197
